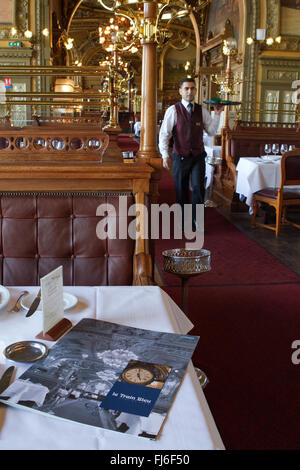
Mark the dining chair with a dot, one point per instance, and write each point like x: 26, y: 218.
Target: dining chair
x: 283, y: 196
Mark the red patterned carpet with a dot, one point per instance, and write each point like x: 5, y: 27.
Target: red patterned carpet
x: 247, y: 313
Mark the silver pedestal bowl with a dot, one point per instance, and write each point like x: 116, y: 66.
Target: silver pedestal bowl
x: 185, y: 264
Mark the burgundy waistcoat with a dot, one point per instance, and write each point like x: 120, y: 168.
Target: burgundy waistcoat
x: 188, y: 132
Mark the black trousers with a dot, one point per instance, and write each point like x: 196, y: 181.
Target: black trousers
x: 186, y: 169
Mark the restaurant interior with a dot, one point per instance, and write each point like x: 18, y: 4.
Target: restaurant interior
x: 79, y: 187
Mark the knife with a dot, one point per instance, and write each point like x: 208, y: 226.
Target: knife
x: 34, y: 304
x: 5, y: 379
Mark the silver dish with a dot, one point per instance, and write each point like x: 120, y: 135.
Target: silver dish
x: 26, y: 351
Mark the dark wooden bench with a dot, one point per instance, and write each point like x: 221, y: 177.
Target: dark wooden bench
x: 247, y: 139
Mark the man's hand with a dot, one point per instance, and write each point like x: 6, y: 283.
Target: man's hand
x: 218, y: 109
x: 167, y: 163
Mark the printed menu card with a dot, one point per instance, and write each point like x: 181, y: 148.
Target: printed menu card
x: 52, y: 299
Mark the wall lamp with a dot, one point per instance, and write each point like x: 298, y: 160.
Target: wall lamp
x: 28, y: 33
x: 261, y: 37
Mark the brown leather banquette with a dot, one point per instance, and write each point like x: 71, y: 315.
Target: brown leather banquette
x: 42, y: 231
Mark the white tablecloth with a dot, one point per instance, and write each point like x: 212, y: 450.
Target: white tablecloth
x: 189, y: 424
x: 253, y: 175
x: 214, y: 151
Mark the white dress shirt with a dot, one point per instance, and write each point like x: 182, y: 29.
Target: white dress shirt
x: 210, y: 124
x: 137, y: 129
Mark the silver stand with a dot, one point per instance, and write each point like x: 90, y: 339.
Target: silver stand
x: 202, y: 377
x: 185, y: 264
x: 213, y: 161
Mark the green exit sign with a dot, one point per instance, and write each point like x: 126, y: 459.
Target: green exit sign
x: 14, y: 43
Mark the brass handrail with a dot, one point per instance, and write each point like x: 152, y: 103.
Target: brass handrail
x: 59, y: 94
x: 68, y: 104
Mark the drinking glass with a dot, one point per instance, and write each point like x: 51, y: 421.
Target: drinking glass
x: 283, y: 148
x: 275, y: 149
x: 268, y: 149
x: 292, y: 147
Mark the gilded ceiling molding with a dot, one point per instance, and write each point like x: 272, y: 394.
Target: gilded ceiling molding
x: 72, y: 15
x: 273, y: 18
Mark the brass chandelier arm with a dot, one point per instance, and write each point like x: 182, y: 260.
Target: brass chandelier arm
x: 72, y: 15
x: 105, y: 6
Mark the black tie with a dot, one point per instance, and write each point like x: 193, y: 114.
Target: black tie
x: 190, y: 108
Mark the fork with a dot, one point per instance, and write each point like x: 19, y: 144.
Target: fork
x: 17, y: 306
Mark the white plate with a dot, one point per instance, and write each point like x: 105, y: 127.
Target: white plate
x: 4, y: 297
x: 69, y: 301
x: 270, y: 158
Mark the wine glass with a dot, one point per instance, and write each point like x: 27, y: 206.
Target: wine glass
x: 268, y: 149
x: 283, y: 148
x: 275, y: 149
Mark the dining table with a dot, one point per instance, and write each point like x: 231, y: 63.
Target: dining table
x: 189, y: 424
x: 256, y: 173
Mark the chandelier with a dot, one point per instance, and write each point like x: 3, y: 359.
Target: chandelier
x: 118, y: 34
x: 227, y: 80
x: 152, y: 28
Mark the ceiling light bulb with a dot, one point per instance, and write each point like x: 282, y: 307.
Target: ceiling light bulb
x: 166, y: 16
x: 45, y: 32
x: 69, y: 44
x: 28, y: 34
x: 278, y: 39
x: 13, y: 31
x: 269, y: 41
x: 250, y: 41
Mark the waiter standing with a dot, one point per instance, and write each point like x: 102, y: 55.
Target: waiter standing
x: 185, y: 122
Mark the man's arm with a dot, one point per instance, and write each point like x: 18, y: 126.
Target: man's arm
x: 211, y: 124
x: 165, y: 135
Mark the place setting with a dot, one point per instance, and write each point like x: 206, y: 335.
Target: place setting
x: 4, y: 297
x: 27, y: 302
x: 272, y: 154
x: 50, y: 302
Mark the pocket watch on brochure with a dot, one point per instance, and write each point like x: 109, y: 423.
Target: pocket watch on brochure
x: 143, y: 373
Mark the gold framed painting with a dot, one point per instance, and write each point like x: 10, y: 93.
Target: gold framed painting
x: 219, y: 12
x: 290, y: 17
x: 7, y: 12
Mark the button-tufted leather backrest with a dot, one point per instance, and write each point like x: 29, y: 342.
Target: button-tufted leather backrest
x: 42, y: 231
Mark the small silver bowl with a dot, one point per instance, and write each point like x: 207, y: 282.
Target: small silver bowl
x: 186, y: 262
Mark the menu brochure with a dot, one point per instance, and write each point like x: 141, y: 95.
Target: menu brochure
x: 107, y: 375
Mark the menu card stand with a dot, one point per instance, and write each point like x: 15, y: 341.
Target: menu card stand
x: 56, y: 331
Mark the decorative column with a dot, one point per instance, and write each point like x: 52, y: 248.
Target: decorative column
x: 148, y: 142
x: 113, y: 129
